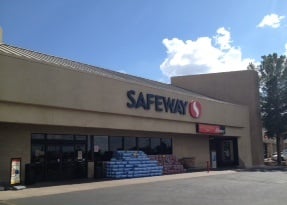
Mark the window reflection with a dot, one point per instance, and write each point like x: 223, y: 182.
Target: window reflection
x: 155, y: 145
x: 144, y: 144
x: 166, y: 146
x: 101, y: 148
x: 60, y: 137
x: 116, y: 143
x: 130, y: 143
x: 37, y: 153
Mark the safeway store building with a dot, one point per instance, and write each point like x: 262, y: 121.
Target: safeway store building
x: 61, y: 119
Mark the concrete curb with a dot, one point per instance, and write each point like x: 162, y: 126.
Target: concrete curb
x: 52, y: 190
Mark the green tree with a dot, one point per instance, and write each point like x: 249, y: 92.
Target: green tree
x: 273, y: 91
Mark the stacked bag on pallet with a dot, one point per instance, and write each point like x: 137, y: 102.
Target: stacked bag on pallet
x: 131, y: 164
x: 170, y: 164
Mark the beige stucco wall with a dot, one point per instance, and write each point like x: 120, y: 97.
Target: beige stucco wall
x: 14, y: 143
x: 192, y: 146
x: 240, y: 87
x: 45, y: 86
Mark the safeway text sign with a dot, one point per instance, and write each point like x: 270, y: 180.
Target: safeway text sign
x: 160, y: 103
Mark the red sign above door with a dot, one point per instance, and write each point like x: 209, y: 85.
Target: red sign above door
x: 210, y: 129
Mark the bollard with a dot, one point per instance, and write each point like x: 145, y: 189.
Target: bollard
x: 208, y: 166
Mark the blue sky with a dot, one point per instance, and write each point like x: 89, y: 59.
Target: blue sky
x: 154, y: 39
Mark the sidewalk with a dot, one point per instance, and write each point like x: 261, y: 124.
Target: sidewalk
x: 51, y: 190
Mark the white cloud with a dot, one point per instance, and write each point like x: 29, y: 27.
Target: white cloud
x: 203, y: 55
x: 223, y: 38
x: 285, y: 50
x: 272, y: 20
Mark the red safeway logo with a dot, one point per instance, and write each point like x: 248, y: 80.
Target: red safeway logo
x: 195, y: 109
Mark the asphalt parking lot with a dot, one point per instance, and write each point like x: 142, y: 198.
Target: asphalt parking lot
x: 220, y: 188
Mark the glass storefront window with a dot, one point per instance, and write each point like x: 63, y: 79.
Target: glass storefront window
x: 58, y: 156
x: 60, y: 137
x: 166, y: 146
x: 227, y: 153
x: 37, y: 153
x: 80, y: 137
x: 101, y: 144
x: 130, y: 143
x: 68, y: 153
x: 144, y: 144
x: 96, y: 148
x: 155, y: 145
x: 116, y: 143
x: 80, y: 150
x: 101, y: 148
x: 65, y: 156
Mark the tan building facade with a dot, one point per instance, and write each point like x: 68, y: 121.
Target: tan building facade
x: 52, y: 108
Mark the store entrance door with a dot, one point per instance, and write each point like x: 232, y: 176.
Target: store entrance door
x: 57, y: 157
x: 80, y: 161
x: 65, y: 161
x: 226, y: 151
x: 53, y: 162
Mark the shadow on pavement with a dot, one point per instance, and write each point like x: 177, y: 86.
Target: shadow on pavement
x: 264, y: 169
x: 66, y: 182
